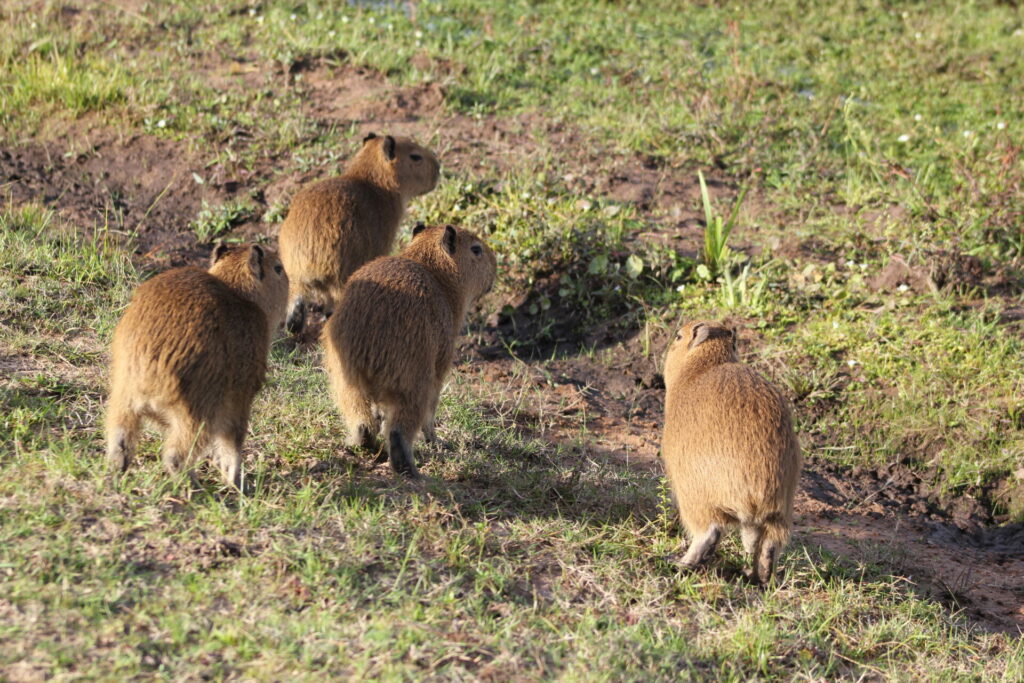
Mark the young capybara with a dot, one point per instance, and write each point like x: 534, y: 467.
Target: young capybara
x: 336, y: 225
x: 729, y: 448
x: 190, y: 353
x: 391, y: 340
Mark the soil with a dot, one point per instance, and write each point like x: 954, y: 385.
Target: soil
x: 953, y: 551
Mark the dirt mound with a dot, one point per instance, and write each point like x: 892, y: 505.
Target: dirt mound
x: 939, y: 269
x: 139, y: 184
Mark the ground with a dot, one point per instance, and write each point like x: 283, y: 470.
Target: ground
x: 874, y: 273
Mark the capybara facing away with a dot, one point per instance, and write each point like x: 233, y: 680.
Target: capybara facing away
x: 729, y: 449
x: 336, y: 225
x: 391, y: 340
x: 190, y: 353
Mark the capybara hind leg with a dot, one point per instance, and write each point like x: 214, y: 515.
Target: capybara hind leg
x: 764, y: 568
x: 360, y: 423
x: 430, y: 423
x: 296, y: 318
x: 774, y: 535
x: 400, y: 454
x: 702, y: 546
x: 227, y: 450
x: 400, y: 427
x: 750, y: 534
x: 181, y: 442
x: 122, y: 437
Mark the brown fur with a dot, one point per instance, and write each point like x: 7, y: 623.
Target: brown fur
x: 190, y: 353
x: 729, y: 448
x: 336, y: 225
x: 391, y: 341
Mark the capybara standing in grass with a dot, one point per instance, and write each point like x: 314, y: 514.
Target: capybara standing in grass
x: 391, y: 340
x: 190, y: 353
x: 729, y: 448
x: 336, y: 225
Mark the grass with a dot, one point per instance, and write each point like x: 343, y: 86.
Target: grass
x: 870, y: 129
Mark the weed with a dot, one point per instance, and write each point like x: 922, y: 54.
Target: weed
x: 716, y: 233
x: 213, y: 221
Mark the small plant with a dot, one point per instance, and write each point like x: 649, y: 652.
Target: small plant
x: 213, y: 221
x: 716, y: 233
x: 737, y: 291
x: 276, y: 213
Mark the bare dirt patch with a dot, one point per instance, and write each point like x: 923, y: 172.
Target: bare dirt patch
x: 135, y: 184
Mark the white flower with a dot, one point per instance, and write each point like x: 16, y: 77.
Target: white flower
x: 968, y: 133
x: 294, y: 17
x: 852, y: 363
x: 252, y: 11
x: 902, y: 288
x: 418, y: 34
x: 850, y: 264
x: 162, y: 123
x: 835, y: 324
x: 918, y: 117
x: 1001, y: 125
x: 344, y: 20
x: 680, y: 288
x: 903, y: 138
x: 918, y: 35
x: 1019, y: 32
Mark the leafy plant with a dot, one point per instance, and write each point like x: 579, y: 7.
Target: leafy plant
x: 213, y: 221
x: 716, y: 233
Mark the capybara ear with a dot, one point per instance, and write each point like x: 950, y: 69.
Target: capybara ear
x: 218, y: 252
x: 369, y: 136
x: 702, y: 332
x: 418, y: 228
x: 389, y: 147
x: 700, y: 335
x: 256, y: 261
x: 448, y: 239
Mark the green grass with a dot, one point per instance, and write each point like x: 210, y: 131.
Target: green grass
x: 863, y: 130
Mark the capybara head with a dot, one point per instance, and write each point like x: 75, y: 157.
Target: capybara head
x: 700, y: 343
x: 413, y: 169
x: 257, y: 273
x: 473, y: 261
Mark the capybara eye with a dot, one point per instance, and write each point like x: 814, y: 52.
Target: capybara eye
x: 476, y: 249
x: 278, y: 269
x: 416, y: 157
